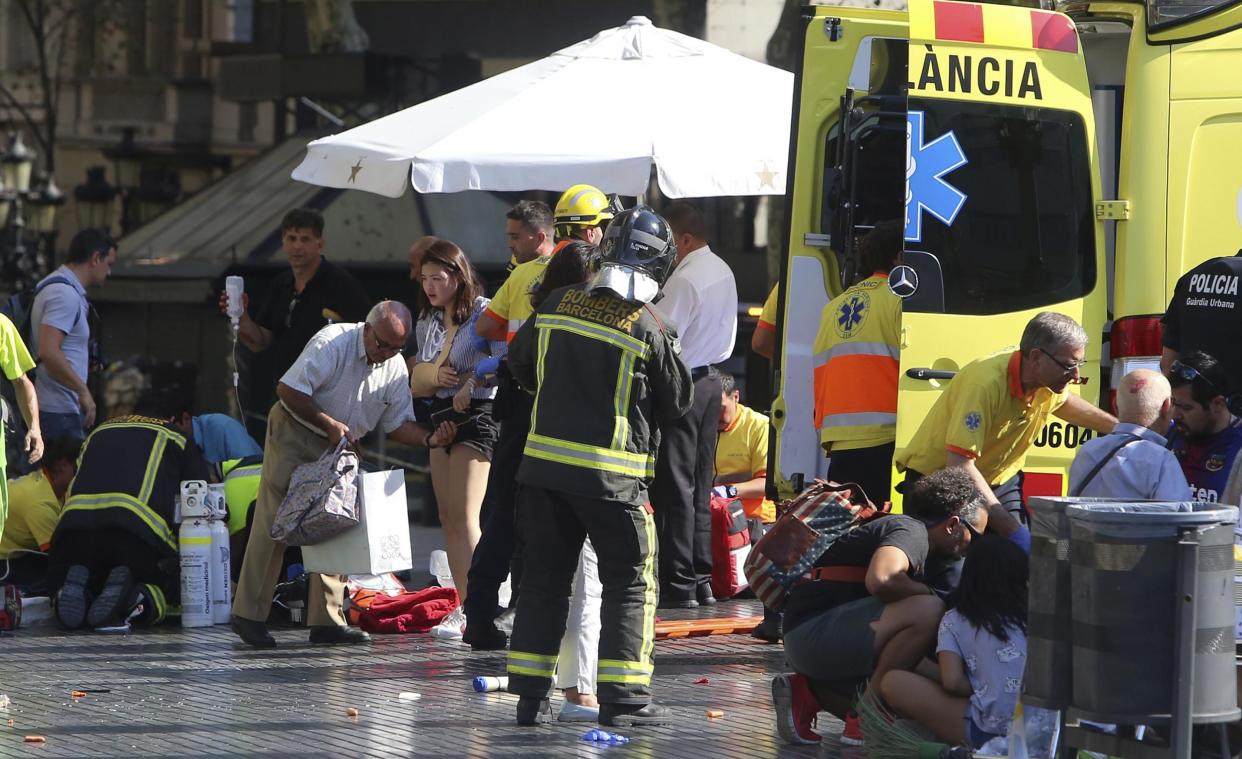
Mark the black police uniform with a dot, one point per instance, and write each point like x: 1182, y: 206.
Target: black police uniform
x: 1205, y: 314
x: 606, y: 373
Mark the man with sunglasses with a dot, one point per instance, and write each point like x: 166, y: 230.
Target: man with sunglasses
x: 1205, y: 436
x: 990, y: 414
x: 349, y: 380
x: 874, y: 602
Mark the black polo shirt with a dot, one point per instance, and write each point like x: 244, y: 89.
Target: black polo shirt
x: 294, y: 317
x: 1205, y: 314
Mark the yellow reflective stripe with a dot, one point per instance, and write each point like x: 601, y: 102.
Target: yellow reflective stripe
x: 156, y: 594
x: 630, y: 679
x: 546, y: 658
x: 650, y: 595
x: 590, y: 457
x: 541, y: 352
x: 535, y: 665
x: 101, y: 501
x: 594, y: 331
x: 514, y: 669
x: 621, y: 401
x: 153, y: 468
x: 250, y: 470
x: 177, y: 439
x: 617, y: 665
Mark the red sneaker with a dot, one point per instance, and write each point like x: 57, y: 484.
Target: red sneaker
x: 852, y: 735
x: 796, y: 709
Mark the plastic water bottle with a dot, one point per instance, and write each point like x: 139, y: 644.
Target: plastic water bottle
x: 483, y: 684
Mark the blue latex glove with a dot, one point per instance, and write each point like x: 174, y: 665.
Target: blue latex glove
x: 478, y: 342
x: 489, y: 365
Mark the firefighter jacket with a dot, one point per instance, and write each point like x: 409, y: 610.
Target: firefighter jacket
x: 606, y: 373
x: 129, y: 477
x: 241, y: 489
x: 856, y: 364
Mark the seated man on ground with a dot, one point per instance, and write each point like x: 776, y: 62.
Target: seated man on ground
x: 742, y: 472
x: 115, y: 545
x: 870, y: 609
x: 35, y: 501
x: 981, y: 652
x: 1134, y: 460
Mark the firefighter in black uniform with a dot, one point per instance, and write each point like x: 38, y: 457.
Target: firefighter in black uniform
x: 116, y: 542
x: 606, y: 371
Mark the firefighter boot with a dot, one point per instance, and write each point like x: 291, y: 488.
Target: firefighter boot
x: 532, y: 710
x: 634, y: 715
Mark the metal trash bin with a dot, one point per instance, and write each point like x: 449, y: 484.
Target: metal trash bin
x: 1048, y: 682
x: 1145, y: 577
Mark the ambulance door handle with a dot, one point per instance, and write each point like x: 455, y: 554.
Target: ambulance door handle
x: 920, y: 373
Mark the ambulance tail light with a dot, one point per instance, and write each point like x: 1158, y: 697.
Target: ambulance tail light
x: 1135, y: 344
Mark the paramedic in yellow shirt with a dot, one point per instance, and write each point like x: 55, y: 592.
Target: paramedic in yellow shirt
x: 993, y: 410
x: 742, y: 452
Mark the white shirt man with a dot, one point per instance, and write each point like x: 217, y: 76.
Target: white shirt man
x: 700, y: 298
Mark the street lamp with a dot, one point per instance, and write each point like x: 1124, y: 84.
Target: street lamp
x: 94, y: 199
x: 15, y: 164
x: 44, y: 203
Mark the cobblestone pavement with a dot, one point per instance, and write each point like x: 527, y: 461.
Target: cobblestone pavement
x: 170, y: 692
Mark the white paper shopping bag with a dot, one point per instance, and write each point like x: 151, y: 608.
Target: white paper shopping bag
x: 381, y: 541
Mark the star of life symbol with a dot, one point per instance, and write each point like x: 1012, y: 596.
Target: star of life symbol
x: 851, y: 314
x: 926, y: 187
x: 973, y: 420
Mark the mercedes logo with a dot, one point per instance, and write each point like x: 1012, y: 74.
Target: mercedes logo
x: 903, y: 281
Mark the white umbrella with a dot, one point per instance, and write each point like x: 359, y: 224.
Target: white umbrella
x: 713, y: 122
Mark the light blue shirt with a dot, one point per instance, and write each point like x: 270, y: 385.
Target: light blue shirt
x: 1143, y: 470
x: 223, y: 438
x: 63, y: 306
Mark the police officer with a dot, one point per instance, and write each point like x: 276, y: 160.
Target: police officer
x: 1205, y: 315
x: 606, y: 372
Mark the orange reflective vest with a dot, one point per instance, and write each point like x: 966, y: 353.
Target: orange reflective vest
x: 857, y: 360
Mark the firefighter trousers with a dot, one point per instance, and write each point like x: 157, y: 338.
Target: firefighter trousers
x: 553, y: 525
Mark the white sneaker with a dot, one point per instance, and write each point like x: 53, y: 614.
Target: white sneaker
x: 452, y: 627
x: 439, y: 568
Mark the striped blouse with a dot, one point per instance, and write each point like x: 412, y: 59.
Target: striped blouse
x: 462, y: 356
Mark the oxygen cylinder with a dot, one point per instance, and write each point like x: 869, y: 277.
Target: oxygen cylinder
x: 221, y: 573
x: 196, y: 560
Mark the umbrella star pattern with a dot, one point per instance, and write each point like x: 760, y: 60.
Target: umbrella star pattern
x: 767, y: 177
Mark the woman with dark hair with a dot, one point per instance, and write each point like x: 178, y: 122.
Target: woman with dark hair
x: 981, y: 651
x: 443, y: 369
x: 571, y: 265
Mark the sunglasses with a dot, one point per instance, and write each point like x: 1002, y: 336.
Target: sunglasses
x: 974, y: 534
x: 1190, y: 374
x: 1067, y: 368
x: 382, y: 346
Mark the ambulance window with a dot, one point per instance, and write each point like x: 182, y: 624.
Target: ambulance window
x: 1025, y: 236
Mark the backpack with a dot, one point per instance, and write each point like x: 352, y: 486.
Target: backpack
x: 730, y: 546
x: 807, y: 526
x: 20, y: 306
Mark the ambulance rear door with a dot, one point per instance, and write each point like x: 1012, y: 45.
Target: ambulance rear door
x: 852, y: 58
x: 1002, y: 182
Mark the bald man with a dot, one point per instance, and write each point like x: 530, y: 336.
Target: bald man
x: 320, y: 405
x: 1133, y: 461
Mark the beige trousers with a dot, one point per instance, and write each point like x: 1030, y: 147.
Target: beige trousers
x: 288, y: 445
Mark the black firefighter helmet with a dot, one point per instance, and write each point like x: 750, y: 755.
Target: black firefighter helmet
x: 637, y: 254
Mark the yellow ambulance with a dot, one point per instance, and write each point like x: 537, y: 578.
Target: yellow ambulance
x: 1076, y: 161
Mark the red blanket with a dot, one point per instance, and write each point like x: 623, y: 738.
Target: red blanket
x: 415, y: 612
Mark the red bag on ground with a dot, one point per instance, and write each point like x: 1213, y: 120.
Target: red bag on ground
x: 413, y: 612
x: 730, y: 547
x: 10, y: 607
